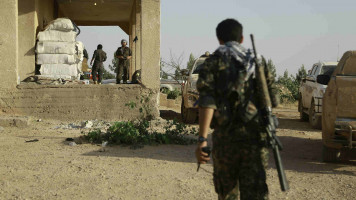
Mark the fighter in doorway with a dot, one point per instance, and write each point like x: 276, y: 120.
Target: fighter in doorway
x: 123, y: 53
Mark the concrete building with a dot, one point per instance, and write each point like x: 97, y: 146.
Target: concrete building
x: 20, y: 22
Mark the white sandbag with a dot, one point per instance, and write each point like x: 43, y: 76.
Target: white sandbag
x: 80, y: 48
x: 80, y: 67
x: 47, y: 47
x: 57, y: 36
x: 59, y: 69
x: 60, y: 24
x: 55, y: 59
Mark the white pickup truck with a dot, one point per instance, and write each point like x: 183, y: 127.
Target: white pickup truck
x: 311, y: 93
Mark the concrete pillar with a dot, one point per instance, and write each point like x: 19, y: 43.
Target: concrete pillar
x: 138, y: 28
x: 150, y: 41
x: 132, y: 37
x: 8, y: 43
x: 27, y: 37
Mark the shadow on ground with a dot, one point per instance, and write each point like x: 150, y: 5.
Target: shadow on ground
x: 170, y: 115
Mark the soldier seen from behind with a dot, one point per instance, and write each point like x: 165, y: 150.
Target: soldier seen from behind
x: 123, y: 53
x: 99, y: 57
x: 228, y: 101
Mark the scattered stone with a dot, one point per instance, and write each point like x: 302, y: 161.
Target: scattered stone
x: 39, y: 120
x: 87, y: 124
x: 104, y: 144
x: 1, y: 129
x: 69, y: 139
x: 72, y: 144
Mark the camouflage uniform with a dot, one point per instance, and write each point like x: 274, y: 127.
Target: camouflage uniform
x: 98, y: 67
x: 239, y: 144
x: 124, y: 64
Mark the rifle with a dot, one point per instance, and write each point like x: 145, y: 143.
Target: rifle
x: 269, y: 121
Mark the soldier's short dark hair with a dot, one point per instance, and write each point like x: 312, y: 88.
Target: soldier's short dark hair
x: 229, y: 30
x: 100, y: 46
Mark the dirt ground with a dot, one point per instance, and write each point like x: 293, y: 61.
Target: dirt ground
x: 51, y: 169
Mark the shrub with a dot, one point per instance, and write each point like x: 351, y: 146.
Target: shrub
x: 139, y: 133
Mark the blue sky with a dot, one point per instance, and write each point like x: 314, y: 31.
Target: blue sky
x: 290, y: 32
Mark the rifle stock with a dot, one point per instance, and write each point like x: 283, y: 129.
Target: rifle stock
x: 265, y: 108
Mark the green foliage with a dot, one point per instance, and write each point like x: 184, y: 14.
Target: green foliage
x: 131, y: 105
x: 107, y: 74
x: 174, y: 94
x: 113, y: 65
x: 289, y: 82
x: 139, y: 133
x: 272, y: 68
x: 301, y: 74
x: 289, y: 85
x: 190, y: 62
x: 164, y: 90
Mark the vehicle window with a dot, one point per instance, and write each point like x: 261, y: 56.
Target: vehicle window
x: 328, y: 69
x: 314, y: 69
x: 199, y: 66
x: 310, y: 71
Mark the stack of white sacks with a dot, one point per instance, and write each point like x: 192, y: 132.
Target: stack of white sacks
x: 58, y: 52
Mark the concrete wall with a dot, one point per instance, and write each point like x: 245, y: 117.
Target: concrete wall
x: 44, y: 13
x: 33, y: 15
x: 27, y: 38
x: 150, y: 42
x: 78, y: 102
x: 135, y: 30
x: 8, y: 43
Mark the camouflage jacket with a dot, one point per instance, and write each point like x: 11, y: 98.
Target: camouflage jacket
x: 226, y: 85
x: 99, y: 55
x: 126, y: 52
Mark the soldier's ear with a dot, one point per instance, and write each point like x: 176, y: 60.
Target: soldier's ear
x: 242, y: 39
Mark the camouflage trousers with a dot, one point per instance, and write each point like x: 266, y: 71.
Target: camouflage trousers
x: 122, y: 73
x: 98, y: 68
x: 239, y: 169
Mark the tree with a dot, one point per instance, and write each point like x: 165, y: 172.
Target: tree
x: 190, y: 62
x: 301, y: 74
x: 113, y: 65
x: 272, y: 68
x: 290, y: 83
x: 173, y: 67
x: 163, y: 74
x: 107, y: 74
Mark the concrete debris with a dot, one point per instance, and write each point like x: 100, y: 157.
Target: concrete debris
x: 104, y: 144
x: 72, y: 144
x: 87, y: 124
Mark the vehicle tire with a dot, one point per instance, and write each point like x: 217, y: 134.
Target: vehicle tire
x: 189, y: 115
x: 330, y: 154
x: 314, y: 120
x: 302, y: 115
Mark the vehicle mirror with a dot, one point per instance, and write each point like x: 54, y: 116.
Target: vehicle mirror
x: 323, y: 79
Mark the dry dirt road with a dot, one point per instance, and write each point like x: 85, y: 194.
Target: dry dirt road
x: 51, y: 169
